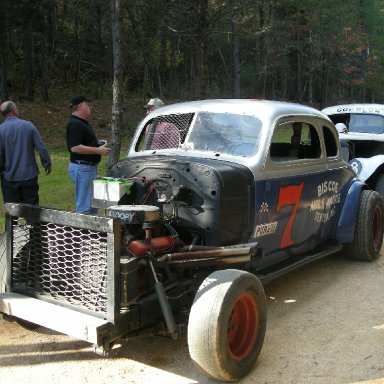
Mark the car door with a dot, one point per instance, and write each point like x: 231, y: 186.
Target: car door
x: 299, y: 193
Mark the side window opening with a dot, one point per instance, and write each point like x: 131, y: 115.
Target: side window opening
x: 340, y: 118
x: 293, y: 141
x: 163, y: 132
x: 330, y: 142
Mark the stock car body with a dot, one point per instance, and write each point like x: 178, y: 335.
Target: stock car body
x: 225, y: 195
x: 364, y: 140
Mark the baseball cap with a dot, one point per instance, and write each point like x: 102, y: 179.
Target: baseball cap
x: 76, y: 100
x: 154, y: 103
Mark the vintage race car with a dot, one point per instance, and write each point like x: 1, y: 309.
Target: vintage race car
x: 363, y: 140
x: 214, y: 199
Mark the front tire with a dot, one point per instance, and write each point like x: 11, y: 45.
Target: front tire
x: 227, y: 324
x: 368, y: 238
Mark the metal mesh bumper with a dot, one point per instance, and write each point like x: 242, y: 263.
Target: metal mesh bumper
x: 62, y: 257
x: 65, y: 263
x: 3, y: 265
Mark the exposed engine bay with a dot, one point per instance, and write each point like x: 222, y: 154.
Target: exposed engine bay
x: 207, y: 204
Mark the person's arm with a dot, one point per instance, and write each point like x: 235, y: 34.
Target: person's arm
x: 86, y: 150
x: 1, y: 161
x: 42, y: 150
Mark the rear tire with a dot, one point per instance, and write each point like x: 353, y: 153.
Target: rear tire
x: 368, y: 238
x: 227, y: 324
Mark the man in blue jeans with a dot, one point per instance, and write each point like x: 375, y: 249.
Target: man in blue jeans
x: 85, y: 153
x: 18, y: 140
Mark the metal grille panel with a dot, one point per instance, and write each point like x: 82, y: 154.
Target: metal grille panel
x: 3, y: 264
x: 167, y: 131
x: 61, y: 262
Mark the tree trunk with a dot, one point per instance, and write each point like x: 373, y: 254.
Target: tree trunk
x: 311, y: 70
x: 28, y: 65
x: 235, y: 55
x: 326, y: 76
x: 202, y: 48
x: 159, y: 82
x: 3, y: 60
x: 117, y: 119
x: 44, y: 68
x: 47, y: 13
x: 99, y: 88
x: 299, y: 74
x: 78, y: 50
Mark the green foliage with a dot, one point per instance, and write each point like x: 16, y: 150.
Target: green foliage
x: 299, y: 50
x: 56, y: 190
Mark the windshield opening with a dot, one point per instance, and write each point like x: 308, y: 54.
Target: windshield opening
x: 228, y: 133
x: 366, y: 123
x: 225, y: 133
x: 360, y: 122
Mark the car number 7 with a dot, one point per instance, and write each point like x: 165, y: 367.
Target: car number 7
x: 289, y: 195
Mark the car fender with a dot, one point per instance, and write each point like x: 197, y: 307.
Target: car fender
x: 366, y: 167
x: 346, y: 225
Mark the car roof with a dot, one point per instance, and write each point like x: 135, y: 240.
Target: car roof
x: 377, y: 109
x: 267, y: 108
x: 267, y: 111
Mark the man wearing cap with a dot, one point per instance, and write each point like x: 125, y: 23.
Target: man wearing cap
x: 19, y: 139
x: 153, y: 104
x: 85, y: 153
x: 160, y: 134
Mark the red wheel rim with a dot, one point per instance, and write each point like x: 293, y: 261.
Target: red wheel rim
x: 242, y: 328
x: 376, y: 229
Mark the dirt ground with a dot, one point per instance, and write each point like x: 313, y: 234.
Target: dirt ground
x: 325, y: 325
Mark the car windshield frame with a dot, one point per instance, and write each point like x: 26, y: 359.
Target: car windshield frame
x: 229, y: 133
x: 366, y: 123
x: 207, y: 131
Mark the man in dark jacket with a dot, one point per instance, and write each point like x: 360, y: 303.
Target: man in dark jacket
x: 18, y: 141
x: 85, y: 153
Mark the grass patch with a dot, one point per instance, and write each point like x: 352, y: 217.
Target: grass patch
x: 56, y: 190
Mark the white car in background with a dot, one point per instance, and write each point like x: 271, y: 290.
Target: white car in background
x: 364, y: 139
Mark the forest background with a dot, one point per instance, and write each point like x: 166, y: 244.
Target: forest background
x: 315, y: 52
